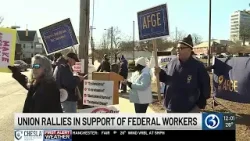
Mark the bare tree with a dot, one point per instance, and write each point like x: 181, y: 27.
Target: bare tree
x: 1, y: 20
x: 197, y: 39
x: 116, y: 37
x: 236, y: 49
x: 244, y: 33
x: 177, y: 36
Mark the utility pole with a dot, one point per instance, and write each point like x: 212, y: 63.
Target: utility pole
x: 133, y: 40
x: 84, y: 32
x: 92, y: 44
x: 176, y: 31
x: 111, y: 47
x: 84, y: 39
x: 209, y: 33
x: 92, y: 50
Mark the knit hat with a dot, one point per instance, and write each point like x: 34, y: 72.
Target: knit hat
x: 187, y: 41
x: 141, y: 61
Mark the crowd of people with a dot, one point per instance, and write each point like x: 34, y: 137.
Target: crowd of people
x: 187, y: 83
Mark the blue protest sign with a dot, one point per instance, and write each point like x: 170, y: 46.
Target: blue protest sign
x: 231, y: 79
x: 153, y: 22
x: 58, y: 36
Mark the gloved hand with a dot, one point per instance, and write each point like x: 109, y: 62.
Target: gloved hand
x: 15, y: 72
x: 14, y: 69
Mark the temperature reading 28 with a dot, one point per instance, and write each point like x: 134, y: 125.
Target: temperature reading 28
x: 229, y: 125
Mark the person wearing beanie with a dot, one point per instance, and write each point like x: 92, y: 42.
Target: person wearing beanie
x: 140, y: 87
x: 187, y: 81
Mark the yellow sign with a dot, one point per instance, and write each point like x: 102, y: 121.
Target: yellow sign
x: 151, y: 20
x: 227, y: 85
x: 7, y: 48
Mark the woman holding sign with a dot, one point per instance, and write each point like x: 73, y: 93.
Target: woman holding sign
x: 43, y: 95
x: 140, y: 85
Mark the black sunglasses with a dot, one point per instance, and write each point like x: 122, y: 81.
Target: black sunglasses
x: 181, y: 48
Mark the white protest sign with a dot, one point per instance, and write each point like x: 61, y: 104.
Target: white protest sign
x: 98, y: 93
x: 101, y: 109
x: 79, y: 66
x: 162, y: 61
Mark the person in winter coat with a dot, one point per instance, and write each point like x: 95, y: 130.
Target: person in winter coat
x: 105, y: 65
x: 43, y: 95
x: 187, y: 81
x: 140, y: 85
x: 123, y: 72
x: 68, y: 81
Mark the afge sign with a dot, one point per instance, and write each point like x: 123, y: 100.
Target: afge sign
x: 153, y: 22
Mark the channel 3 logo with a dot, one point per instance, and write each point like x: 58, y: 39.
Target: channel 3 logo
x: 212, y: 121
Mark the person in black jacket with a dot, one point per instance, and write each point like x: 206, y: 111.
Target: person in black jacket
x: 187, y: 81
x: 105, y: 65
x: 43, y: 95
x: 67, y: 80
x: 123, y: 72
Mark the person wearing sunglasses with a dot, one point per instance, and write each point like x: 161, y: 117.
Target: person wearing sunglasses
x: 187, y: 81
x: 43, y: 95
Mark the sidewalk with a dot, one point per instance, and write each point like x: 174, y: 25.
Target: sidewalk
x: 126, y: 107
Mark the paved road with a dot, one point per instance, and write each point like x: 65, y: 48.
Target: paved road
x: 12, y: 97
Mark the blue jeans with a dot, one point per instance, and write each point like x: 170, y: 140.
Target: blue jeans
x: 69, y: 106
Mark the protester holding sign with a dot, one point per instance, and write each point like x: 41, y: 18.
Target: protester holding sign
x: 67, y: 80
x: 187, y: 81
x: 43, y: 95
x: 140, y: 85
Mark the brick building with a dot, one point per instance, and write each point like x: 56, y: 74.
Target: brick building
x: 217, y: 47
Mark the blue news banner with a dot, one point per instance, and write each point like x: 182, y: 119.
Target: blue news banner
x: 215, y: 126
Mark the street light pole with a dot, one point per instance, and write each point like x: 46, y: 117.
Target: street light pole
x: 209, y: 33
x: 133, y: 40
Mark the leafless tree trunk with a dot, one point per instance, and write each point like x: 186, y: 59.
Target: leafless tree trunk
x: 197, y: 39
x: 1, y: 20
x: 244, y: 33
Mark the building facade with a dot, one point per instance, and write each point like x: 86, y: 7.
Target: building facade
x: 239, y: 21
x: 217, y: 47
x: 30, y: 44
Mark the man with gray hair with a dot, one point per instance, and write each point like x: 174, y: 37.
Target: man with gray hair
x: 68, y: 81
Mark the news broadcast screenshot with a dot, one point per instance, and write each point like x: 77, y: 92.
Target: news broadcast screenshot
x: 68, y: 127
x: 151, y: 88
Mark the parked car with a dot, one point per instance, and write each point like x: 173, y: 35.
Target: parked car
x: 22, y: 66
